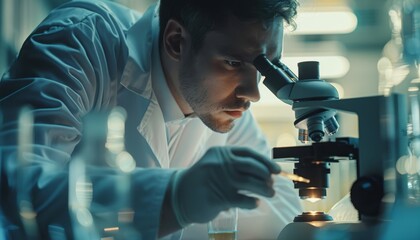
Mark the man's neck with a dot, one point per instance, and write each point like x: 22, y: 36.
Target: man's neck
x: 171, y: 74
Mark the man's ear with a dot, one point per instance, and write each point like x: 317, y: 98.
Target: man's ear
x: 174, y: 39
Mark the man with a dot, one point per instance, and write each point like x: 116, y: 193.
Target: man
x: 183, y: 71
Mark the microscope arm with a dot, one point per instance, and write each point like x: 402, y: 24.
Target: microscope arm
x: 382, y: 141
x: 382, y: 125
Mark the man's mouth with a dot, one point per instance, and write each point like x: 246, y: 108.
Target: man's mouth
x: 234, y: 113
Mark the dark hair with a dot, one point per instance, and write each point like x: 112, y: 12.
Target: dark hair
x: 201, y: 16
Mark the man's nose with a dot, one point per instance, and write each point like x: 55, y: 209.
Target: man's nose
x: 248, y: 87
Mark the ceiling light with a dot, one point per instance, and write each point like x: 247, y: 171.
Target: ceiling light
x: 325, y: 22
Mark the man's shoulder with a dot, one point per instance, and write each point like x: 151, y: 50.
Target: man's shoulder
x: 79, y: 10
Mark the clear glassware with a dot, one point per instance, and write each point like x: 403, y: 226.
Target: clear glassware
x: 224, y: 226
x: 413, y: 159
x: 102, y: 148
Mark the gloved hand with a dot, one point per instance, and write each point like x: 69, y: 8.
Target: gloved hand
x: 211, y: 185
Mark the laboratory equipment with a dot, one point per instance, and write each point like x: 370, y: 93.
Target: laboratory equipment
x: 313, y: 162
x: 311, y: 122
x: 224, y: 226
x: 102, y: 146
x: 405, y: 20
x: 382, y: 141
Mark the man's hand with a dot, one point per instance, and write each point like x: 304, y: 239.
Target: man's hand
x: 212, y: 184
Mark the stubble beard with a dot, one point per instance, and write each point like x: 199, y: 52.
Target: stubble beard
x: 197, y: 96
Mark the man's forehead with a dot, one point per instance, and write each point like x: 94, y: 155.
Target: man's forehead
x: 272, y: 47
x: 247, y: 39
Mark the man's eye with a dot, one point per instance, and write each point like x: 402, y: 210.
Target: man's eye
x: 233, y: 63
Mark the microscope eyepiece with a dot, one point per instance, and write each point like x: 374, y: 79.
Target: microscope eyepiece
x: 263, y: 65
x: 308, y: 70
x: 275, y: 77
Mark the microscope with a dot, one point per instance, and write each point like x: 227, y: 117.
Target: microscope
x: 381, y: 142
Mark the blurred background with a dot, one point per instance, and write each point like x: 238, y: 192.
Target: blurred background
x: 352, y: 40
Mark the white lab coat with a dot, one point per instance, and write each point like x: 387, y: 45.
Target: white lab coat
x: 95, y: 55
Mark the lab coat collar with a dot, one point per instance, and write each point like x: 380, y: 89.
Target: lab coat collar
x: 140, y: 42
x: 170, y: 108
x: 137, y: 78
x: 144, y: 64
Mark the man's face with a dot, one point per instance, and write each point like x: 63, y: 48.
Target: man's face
x: 219, y: 80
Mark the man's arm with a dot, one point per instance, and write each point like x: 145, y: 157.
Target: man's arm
x: 215, y: 183
x: 168, y: 222
x: 69, y: 66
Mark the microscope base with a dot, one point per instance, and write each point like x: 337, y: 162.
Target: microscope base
x: 330, y: 231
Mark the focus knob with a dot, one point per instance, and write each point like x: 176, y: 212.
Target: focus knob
x: 366, y: 195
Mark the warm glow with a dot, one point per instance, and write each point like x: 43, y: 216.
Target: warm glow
x: 111, y: 229
x: 313, y: 199
x: 413, y: 89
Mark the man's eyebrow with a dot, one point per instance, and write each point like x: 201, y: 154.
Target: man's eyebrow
x: 249, y: 54
x: 238, y: 56
x: 245, y: 54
